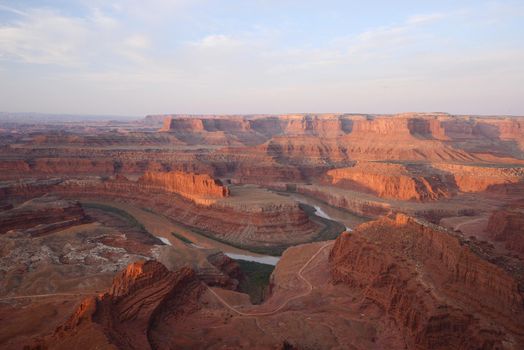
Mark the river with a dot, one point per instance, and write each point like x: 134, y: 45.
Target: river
x: 161, y: 227
x: 321, y: 209
x: 328, y: 212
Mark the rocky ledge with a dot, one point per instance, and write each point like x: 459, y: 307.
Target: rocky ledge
x: 141, y: 298
x: 439, y: 293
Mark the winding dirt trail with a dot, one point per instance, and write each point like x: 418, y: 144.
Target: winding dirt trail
x: 284, y: 304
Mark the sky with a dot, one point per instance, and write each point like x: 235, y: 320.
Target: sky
x: 135, y: 57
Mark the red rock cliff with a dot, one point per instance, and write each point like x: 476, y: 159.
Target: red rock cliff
x: 440, y: 294
x: 470, y: 178
x: 142, y: 297
x: 189, y: 185
x: 507, y: 225
x: 390, y: 180
x: 42, y: 215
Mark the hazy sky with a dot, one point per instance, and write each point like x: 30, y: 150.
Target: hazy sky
x: 135, y: 57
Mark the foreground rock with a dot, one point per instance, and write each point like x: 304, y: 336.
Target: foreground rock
x: 396, y: 284
x: 439, y: 293
x: 142, y: 297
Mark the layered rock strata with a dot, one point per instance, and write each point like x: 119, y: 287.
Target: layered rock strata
x: 507, y: 225
x: 200, y: 188
x: 389, y: 180
x: 440, y: 294
x: 251, y: 218
x: 141, y: 298
x: 470, y: 178
x: 359, y: 205
x: 42, y: 215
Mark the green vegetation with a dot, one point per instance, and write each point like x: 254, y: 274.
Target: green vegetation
x: 332, y: 229
x: 256, y: 279
x: 273, y: 251
x: 182, y: 238
x: 130, y: 219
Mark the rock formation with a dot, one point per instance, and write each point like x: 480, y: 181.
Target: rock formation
x: 470, y: 178
x: 507, y: 225
x: 389, y: 180
x: 150, y: 192
x: 360, y: 205
x: 250, y: 218
x: 143, y: 296
x: 42, y: 215
x: 440, y: 294
x: 200, y: 188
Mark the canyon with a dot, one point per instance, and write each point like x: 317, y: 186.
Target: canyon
x: 382, y: 231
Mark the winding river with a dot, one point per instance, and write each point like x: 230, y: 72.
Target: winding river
x: 322, y: 210
x: 161, y: 227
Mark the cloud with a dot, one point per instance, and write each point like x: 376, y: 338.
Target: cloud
x: 12, y: 10
x: 217, y: 41
x: 137, y: 41
x: 102, y: 20
x: 425, y: 18
x: 393, y: 37
x: 128, y: 56
x: 43, y: 37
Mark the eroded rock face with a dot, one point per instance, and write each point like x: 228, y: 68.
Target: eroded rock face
x: 230, y: 275
x: 440, y: 294
x: 41, y: 215
x: 142, y: 296
x: 57, y: 246
x: 270, y: 125
x: 242, y: 219
x: 363, y: 207
x: 182, y: 124
x: 388, y: 180
x: 197, y: 187
x: 470, y: 178
x: 507, y: 225
x: 26, y: 187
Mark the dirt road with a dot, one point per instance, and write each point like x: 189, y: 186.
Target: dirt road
x: 280, y: 307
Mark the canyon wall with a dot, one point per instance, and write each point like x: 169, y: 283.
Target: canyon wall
x: 101, y: 164
x: 141, y: 298
x: 388, y: 180
x: 345, y: 200
x: 470, y: 178
x: 329, y: 125
x: 507, y: 225
x: 417, y: 136
x: 440, y: 293
x: 200, y: 188
x: 248, y: 220
x: 42, y: 215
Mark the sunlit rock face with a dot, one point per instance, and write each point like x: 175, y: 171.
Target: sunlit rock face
x: 388, y: 180
x: 200, y: 188
x: 141, y: 297
x: 431, y: 284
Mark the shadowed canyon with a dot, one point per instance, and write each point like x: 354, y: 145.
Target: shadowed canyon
x: 302, y: 231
